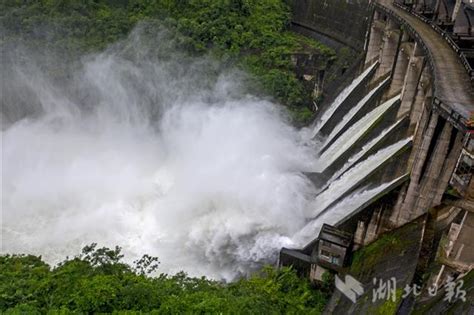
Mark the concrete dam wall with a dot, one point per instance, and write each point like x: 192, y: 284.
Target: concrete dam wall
x: 396, y: 143
x: 333, y: 22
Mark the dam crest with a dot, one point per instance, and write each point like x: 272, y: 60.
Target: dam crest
x: 396, y: 142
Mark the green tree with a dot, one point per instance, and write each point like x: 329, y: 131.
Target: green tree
x: 250, y: 34
x: 98, y: 281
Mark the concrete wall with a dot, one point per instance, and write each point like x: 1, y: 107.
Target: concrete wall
x: 408, y: 52
x: 333, y: 22
x: 437, y: 143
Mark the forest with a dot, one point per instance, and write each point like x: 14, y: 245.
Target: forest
x: 248, y: 34
x: 98, y: 281
x: 251, y: 35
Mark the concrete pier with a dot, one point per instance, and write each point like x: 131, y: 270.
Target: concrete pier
x: 388, y: 51
x: 436, y: 110
x: 436, y: 93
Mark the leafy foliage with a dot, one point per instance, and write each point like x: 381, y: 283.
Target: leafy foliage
x: 251, y: 34
x: 98, y: 281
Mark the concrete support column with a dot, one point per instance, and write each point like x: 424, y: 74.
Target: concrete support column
x: 433, y: 173
x: 402, y: 214
x: 373, y: 227
x: 417, y: 142
x: 421, y: 141
x: 423, y: 99
x: 411, y: 81
x: 399, y: 73
x: 393, y: 218
x: 448, y: 168
x: 390, y: 41
x: 359, y: 235
x: 420, y: 126
x: 375, y: 38
x: 456, y: 9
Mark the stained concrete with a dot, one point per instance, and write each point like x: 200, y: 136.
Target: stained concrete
x: 452, y: 85
x: 381, y: 260
x: 339, y: 21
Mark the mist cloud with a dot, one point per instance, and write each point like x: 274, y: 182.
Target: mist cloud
x: 160, y: 154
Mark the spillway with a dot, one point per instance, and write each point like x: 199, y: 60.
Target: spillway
x: 354, y: 177
x: 341, y: 98
x: 353, y: 134
x: 345, y: 208
x: 353, y: 112
x: 366, y: 148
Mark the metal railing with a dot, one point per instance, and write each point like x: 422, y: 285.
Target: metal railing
x: 446, y: 35
x: 447, y: 112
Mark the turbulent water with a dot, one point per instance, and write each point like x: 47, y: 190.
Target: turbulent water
x: 353, y: 134
x: 341, y: 210
x: 354, y: 176
x: 341, y: 98
x: 160, y: 156
x: 165, y: 154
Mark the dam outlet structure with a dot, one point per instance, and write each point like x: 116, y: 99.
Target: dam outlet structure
x: 396, y: 145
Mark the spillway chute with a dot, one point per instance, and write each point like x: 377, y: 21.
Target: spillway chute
x: 354, y: 177
x: 346, y: 208
x: 341, y: 98
x: 366, y: 149
x: 353, y: 112
x: 350, y: 137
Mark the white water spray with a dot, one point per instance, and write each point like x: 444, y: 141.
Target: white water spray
x: 353, y: 134
x: 153, y: 156
x: 366, y: 148
x: 354, y: 176
x: 340, y: 211
x: 350, y: 115
x: 341, y: 98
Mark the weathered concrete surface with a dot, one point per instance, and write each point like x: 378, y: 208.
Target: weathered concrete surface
x: 452, y: 85
x: 437, y: 305
x: 339, y: 20
x: 381, y: 260
x: 375, y: 39
x: 389, y: 49
x: 437, y: 94
x: 420, y: 99
x: 402, y: 212
x: 431, y: 182
x: 434, y: 158
x: 400, y: 71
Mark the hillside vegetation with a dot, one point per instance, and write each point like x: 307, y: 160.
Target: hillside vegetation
x: 98, y: 281
x: 250, y: 34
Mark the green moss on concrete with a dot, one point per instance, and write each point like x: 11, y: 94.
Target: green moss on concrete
x: 393, y: 255
x: 390, y: 306
x: 367, y: 257
x: 393, y: 242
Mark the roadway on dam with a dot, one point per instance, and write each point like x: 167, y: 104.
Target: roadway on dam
x: 452, y: 83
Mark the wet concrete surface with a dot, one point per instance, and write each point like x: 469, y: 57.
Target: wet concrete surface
x: 452, y: 83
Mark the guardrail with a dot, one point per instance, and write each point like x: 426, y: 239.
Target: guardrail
x: 415, y: 35
x: 447, y: 36
x: 453, y: 117
x: 448, y: 113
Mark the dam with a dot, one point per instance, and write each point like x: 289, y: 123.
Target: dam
x: 396, y: 145
x: 229, y: 157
